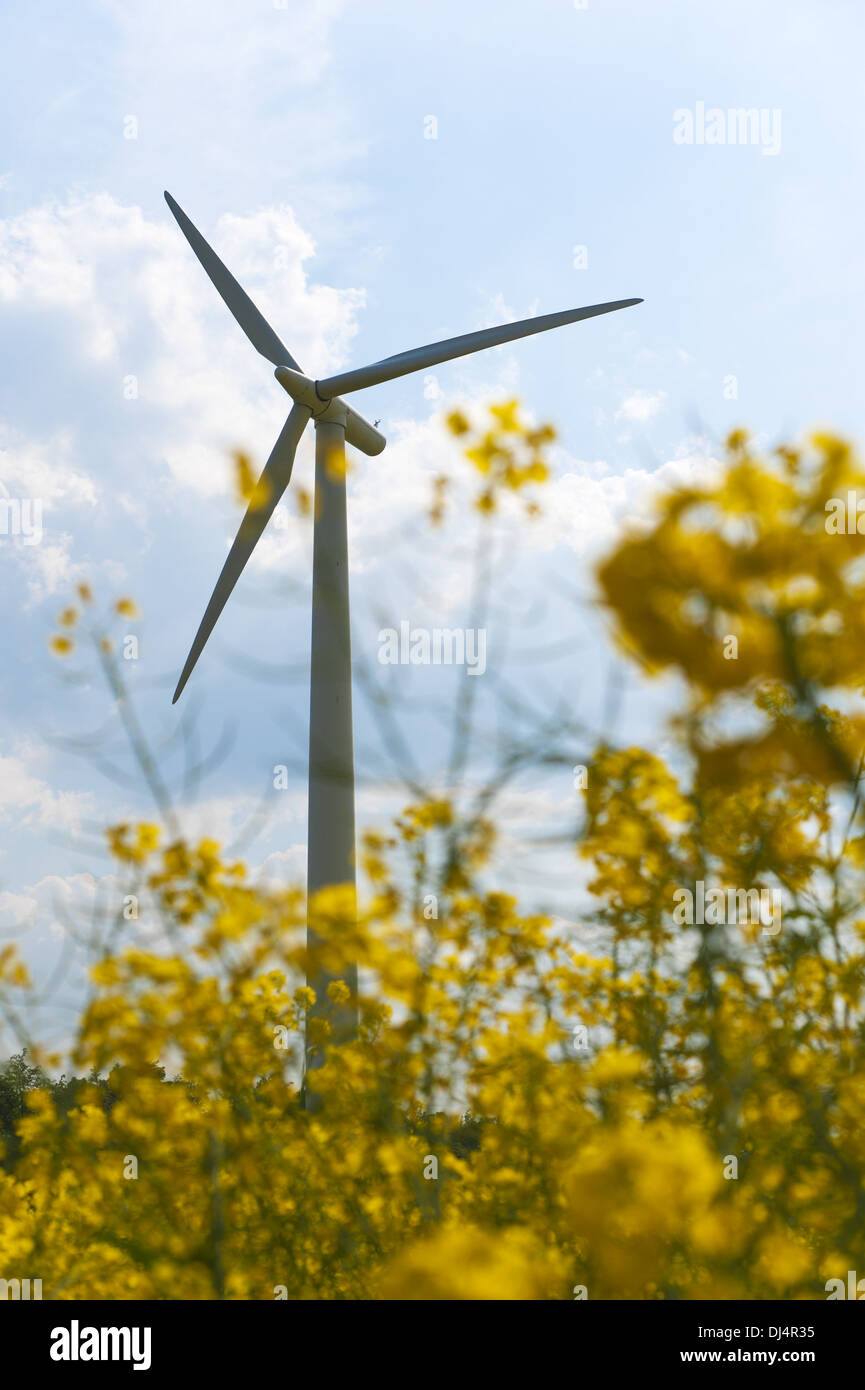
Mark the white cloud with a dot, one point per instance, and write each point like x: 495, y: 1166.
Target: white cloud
x: 588, y: 512
x: 284, y: 868
x: 43, y: 472
x: 49, y: 567
x: 18, y: 913
x: 27, y: 799
x: 138, y: 300
x: 431, y: 389
x: 585, y: 504
x: 641, y: 405
x: 129, y: 293
x: 502, y: 312
x: 63, y: 255
x: 44, y: 469
x: 218, y: 48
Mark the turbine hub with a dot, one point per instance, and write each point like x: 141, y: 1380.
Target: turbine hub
x: 358, y: 431
x: 301, y: 389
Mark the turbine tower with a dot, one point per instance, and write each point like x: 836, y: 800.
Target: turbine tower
x: 331, y: 834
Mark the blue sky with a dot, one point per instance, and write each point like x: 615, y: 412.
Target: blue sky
x: 295, y: 138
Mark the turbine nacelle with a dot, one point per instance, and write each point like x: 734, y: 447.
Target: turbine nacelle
x: 304, y: 391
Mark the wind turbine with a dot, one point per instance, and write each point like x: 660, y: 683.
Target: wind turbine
x: 330, y: 845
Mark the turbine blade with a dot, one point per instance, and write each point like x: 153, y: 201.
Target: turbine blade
x: 273, y: 481
x: 419, y: 358
x: 253, y: 323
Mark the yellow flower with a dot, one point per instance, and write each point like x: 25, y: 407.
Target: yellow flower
x: 463, y: 1262
x: 527, y: 1107
x: 506, y: 416
x: 254, y: 491
x: 13, y: 971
